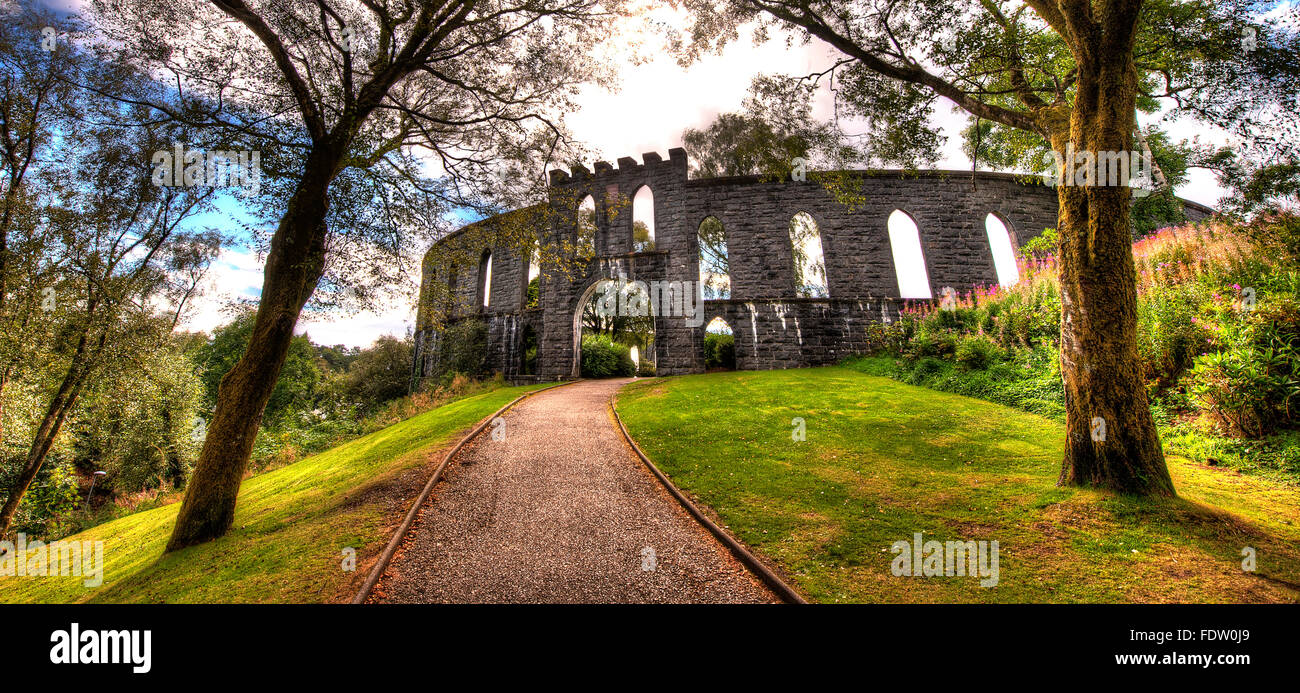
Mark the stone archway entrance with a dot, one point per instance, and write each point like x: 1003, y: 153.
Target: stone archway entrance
x: 624, y: 316
x: 576, y: 370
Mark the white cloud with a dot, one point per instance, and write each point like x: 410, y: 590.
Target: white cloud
x: 358, y: 330
x: 659, y: 100
x: 237, y: 275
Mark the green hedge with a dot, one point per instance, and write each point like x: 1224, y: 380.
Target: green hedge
x: 602, y: 358
x: 719, y: 351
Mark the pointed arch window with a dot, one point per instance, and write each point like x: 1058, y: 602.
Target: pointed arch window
x: 485, y: 279
x: 909, y: 260
x: 715, y: 268
x: 809, y: 261
x: 586, y: 238
x: 1004, y: 254
x: 643, y: 220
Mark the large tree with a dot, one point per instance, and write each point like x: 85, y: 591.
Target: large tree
x: 1071, y: 73
x: 35, y: 103
x: 95, y: 260
x: 380, y: 122
x: 767, y: 137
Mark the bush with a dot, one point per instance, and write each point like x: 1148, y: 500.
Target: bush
x: 932, y: 342
x: 888, y: 337
x: 1278, y: 234
x: 298, y: 383
x: 976, y: 352
x: 646, y: 369
x: 380, y: 374
x: 463, y: 348
x: 1251, y: 386
x: 1041, y: 246
x: 47, y: 508
x: 1169, y: 333
x: 1218, y: 339
x: 1276, y: 456
x: 141, y: 424
x: 602, y: 358
x: 719, y: 351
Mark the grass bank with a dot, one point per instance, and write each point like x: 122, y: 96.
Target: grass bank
x: 883, y: 460
x: 291, y: 526
x: 1035, y: 387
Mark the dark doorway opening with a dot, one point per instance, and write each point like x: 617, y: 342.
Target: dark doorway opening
x: 719, y: 346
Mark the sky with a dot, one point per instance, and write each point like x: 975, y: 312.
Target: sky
x: 654, y: 104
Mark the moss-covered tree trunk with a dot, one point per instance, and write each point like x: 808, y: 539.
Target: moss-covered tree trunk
x: 293, y: 267
x: 1111, y: 439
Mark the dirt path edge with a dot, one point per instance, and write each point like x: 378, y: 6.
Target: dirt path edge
x: 766, y: 574
x: 381, y: 565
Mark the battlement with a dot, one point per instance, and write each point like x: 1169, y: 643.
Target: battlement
x: 604, y: 172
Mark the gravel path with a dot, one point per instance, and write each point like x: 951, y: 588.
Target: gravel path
x: 561, y: 511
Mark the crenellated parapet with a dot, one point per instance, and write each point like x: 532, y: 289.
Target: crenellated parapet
x: 777, y: 321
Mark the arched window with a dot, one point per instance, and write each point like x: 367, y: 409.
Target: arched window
x: 719, y: 345
x: 485, y: 279
x: 643, y: 220
x: 809, y: 263
x: 452, y: 279
x: 909, y: 261
x: 533, y: 280
x: 715, y: 269
x: 528, y: 349
x: 586, y: 240
x: 1004, y: 256
x: 717, y: 326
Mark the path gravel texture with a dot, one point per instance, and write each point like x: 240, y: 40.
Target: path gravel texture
x: 561, y: 511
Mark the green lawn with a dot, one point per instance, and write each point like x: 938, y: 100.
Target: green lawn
x: 883, y: 460
x: 291, y: 525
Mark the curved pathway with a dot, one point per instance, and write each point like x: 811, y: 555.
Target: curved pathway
x: 560, y: 510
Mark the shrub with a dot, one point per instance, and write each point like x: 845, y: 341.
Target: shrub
x: 603, y: 358
x: 463, y: 348
x: 380, y: 374
x: 1218, y: 339
x: 1170, y: 335
x: 976, y: 352
x: 646, y: 369
x: 1278, y: 234
x: 719, y: 351
x: 886, y: 337
x: 931, y: 342
x: 1041, y: 246
x: 48, y: 506
x: 139, y: 426
x: 925, y: 368
x: 1249, y: 388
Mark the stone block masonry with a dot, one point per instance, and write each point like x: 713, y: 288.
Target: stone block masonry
x: 773, y: 327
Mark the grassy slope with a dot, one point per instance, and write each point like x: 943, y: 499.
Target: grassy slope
x: 290, y: 527
x: 883, y: 460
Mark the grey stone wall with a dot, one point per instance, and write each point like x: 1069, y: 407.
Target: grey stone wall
x: 773, y: 328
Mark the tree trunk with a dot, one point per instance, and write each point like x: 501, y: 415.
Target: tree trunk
x: 46, y: 433
x: 1111, y: 440
x: 293, y: 266
x: 4, y: 385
